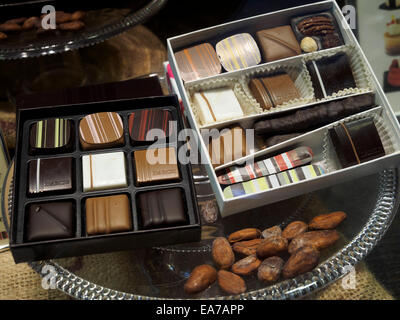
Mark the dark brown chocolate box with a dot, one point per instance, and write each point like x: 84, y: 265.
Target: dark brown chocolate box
x: 60, y: 222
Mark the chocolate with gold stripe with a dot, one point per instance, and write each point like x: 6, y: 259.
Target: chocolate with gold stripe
x: 51, y: 134
x: 238, y: 52
x: 198, y: 62
x: 101, y: 130
x: 273, y: 181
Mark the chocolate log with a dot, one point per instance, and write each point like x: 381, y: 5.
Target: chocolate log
x: 320, y: 114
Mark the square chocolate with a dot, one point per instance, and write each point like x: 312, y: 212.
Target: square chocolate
x: 50, y: 221
x: 156, y: 165
x: 51, y: 135
x: 50, y: 174
x: 141, y: 123
x: 162, y: 208
x: 109, y: 214
x: 101, y: 130
x: 104, y: 171
x: 198, y: 62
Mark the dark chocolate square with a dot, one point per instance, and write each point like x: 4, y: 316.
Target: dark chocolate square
x: 50, y: 221
x: 162, y: 208
x: 50, y: 174
x: 142, y: 121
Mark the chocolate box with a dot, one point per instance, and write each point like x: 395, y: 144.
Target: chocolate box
x: 128, y: 232
x: 341, y: 43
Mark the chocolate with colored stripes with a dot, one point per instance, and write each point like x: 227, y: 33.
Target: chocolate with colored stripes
x: 198, y: 62
x: 101, y: 130
x: 109, y: 214
x: 356, y: 142
x: 104, y: 171
x: 50, y: 174
x: 142, y: 121
x: 273, y: 91
x: 51, y: 134
x: 273, y: 181
x: 238, y: 52
x: 50, y: 221
x: 282, y: 162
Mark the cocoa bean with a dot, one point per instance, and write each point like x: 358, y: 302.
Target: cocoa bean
x: 327, y: 221
x: 222, y: 253
x: 3, y: 36
x: 272, y: 247
x: 30, y: 23
x: 294, y: 229
x: 63, y: 17
x: 270, y: 269
x: 10, y: 27
x: 200, y: 278
x: 231, y: 283
x: 246, y: 248
x: 244, y: 234
x: 319, y: 239
x: 272, y: 232
x: 71, y: 26
x: 78, y: 15
x: 301, y: 261
x: 17, y: 20
x: 246, y: 266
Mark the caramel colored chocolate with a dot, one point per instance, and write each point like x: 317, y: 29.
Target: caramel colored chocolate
x: 273, y: 91
x: 108, y: 215
x: 198, y: 62
x: 101, y: 130
x: 278, y: 43
x: 156, y: 165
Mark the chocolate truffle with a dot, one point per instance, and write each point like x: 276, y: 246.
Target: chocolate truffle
x: 229, y: 145
x: 50, y: 174
x: 108, y: 215
x: 104, y: 171
x: 101, y: 130
x: 238, y: 52
x: 217, y: 105
x: 278, y: 43
x: 198, y: 62
x: 51, y: 134
x: 356, y: 142
x: 162, y: 208
x: 273, y: 91
x: 50, y: 221
x: 330, y: 75
x: 142, y: 121
x: 156, y: 165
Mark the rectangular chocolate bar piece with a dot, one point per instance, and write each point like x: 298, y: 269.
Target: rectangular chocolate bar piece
x: 156, y: 165
x: 162, y: 208
x: 50, y: 221
x: 50, y: 174
x: 109, y: 214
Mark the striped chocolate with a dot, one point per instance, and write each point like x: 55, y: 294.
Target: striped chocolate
x: 238, y: 52
x: 50, y: 134
x: 101, y: 130
x: 198, y: 62
x: 142, y: 121
x: 273, y: 181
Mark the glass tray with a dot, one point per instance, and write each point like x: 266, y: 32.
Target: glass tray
x: 101, y: 24
x: 160, y: 273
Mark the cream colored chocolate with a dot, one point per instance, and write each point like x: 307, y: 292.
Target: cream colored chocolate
x: 101, y: 130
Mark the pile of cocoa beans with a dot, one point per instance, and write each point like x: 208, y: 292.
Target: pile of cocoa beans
x: 64, y: 21
x: 263, y: 252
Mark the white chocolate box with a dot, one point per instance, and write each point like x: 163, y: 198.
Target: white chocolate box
x: 385, y: 120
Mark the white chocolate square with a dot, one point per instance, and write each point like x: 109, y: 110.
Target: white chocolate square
x: 217, y: 105
x: 104, y: 171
